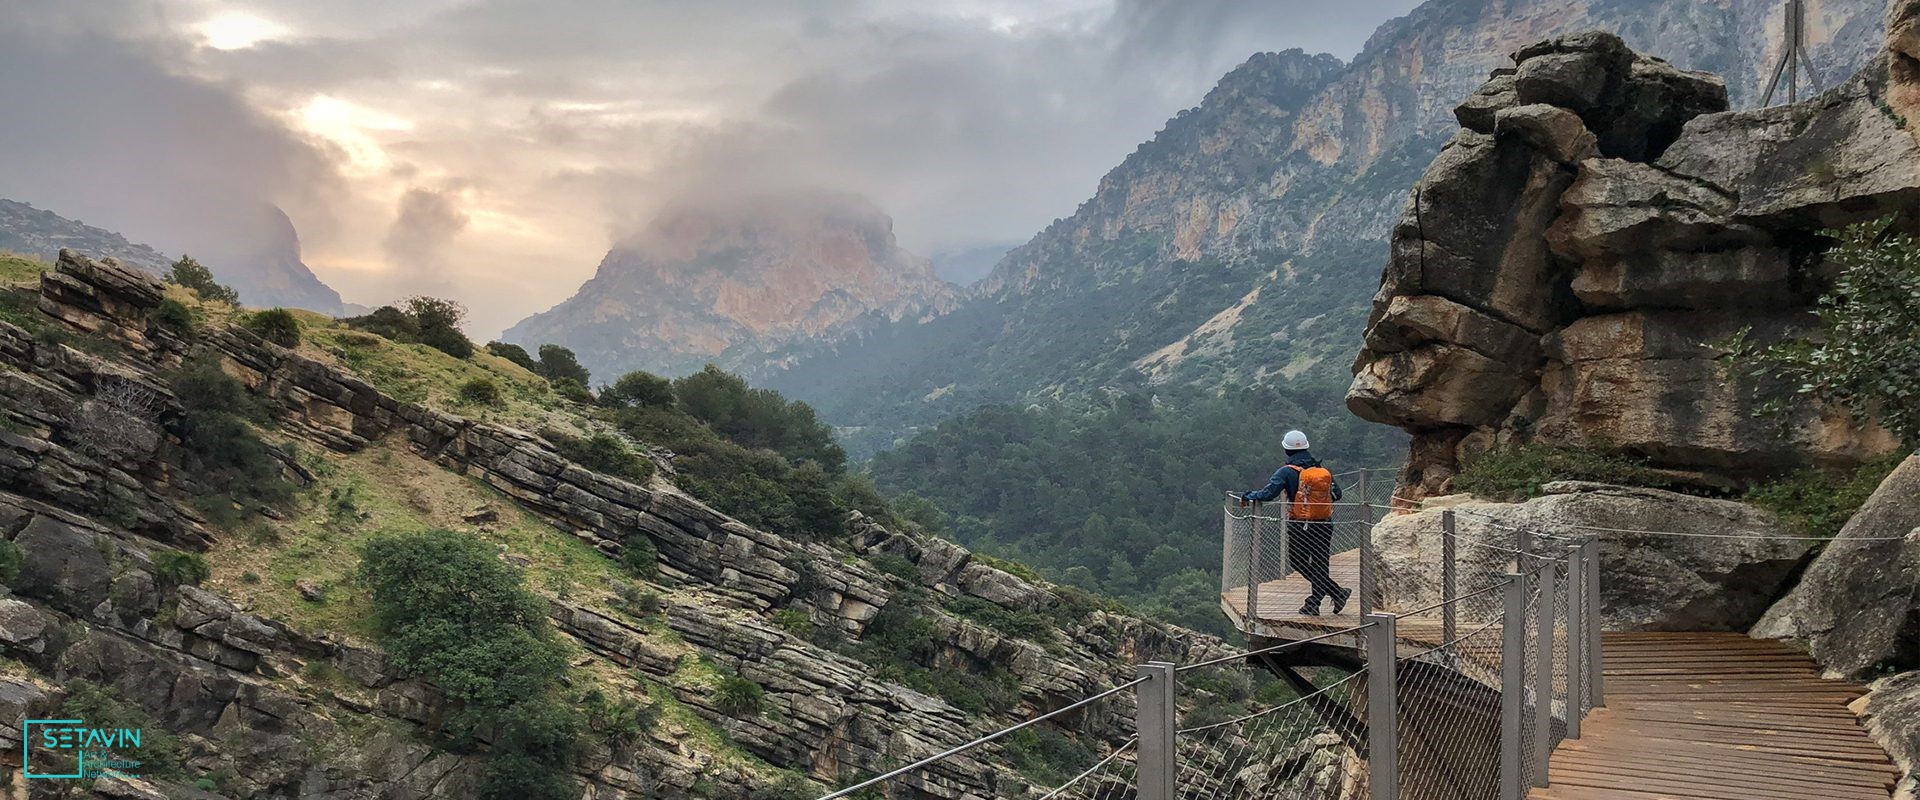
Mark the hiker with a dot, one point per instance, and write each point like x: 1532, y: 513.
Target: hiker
x: 1311, y: 492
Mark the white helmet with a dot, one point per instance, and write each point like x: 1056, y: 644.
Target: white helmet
x: 1294, y: 440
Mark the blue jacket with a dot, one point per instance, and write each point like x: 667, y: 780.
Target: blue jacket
x: 1288, y: 480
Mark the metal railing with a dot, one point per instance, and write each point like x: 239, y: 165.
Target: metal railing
x: 1437, y: 691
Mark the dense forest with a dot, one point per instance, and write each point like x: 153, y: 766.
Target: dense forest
x: 1122, y: 498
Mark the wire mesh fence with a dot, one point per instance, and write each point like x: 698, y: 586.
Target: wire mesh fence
x: 1486, y: 627
x: 1306, y: 748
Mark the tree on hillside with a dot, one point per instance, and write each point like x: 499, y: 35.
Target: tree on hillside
x: 638, y: 388
x: 191, y: 274
x: 560, y: 364
x: 514, y: 353
x: 1866, y: 356
x: 439, y: 321
x: 758, y: 417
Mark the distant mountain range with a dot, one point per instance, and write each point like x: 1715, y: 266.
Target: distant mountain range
x: 1242, y: 244
x: 269, y: 274
x: 731, y: 282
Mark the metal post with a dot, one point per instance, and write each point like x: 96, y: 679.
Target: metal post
x: 1253, y: 565
x: 1513, y: 684
x: 1522, y: 544
x: 1366, y: 549
x: 1543, y: 673
x: 1286, y: 544
x: 1383, y: 728
x: 1576, y: 638
x: 1596, y: 656
x: 1449, y: 590
x: 1154, y: 716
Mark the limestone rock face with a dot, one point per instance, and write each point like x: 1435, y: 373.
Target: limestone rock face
x: 1572, y: 263
x: 1651, y: 582
x: 1856, y: 608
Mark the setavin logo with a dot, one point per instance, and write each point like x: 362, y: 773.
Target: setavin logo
x: 69, y: 748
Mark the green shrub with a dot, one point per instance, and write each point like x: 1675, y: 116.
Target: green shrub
x: 12, y: 559
x: 571, y: 391
x: 638, y: 388
x: 1818, y: 502
x: 389, y: 322
x: 738, y: 697
x: 639, y: 557
x: 448, y: 609
x: 452, y: 611
x: 619, y: 722
x: 276, y: 325
x: 175, y: 317
x: 1023, y: 623
x: 514, y: 353
x: 601, y: 453
x: 638, y: 602
x: 1517, y: 472
x: 1049, y: 756
x: 897, y: 566
x: 1865, y: 357
x: 220, y: 450
x: 795, y: 622
x: 480, y: 391
x: 192, y: 275
x: 103, y: 707
x: 180, y: 568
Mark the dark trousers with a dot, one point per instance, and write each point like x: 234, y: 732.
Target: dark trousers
x: 1309, y: 546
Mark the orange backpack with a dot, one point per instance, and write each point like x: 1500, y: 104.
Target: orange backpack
x: 1313, y: 501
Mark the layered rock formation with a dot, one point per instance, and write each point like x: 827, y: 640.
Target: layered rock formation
x: 1571, y: 265
x: 1653, y: 582
x: 237, y: 686
x: 729, y: 282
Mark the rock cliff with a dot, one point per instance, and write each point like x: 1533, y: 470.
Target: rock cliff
x: 1570, y: 265
x: 728, y: 282
x: 274, y: 709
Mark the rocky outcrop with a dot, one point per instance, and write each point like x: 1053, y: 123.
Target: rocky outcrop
x: 89, y: 527
x: 729, y: 282
x: 1891, y: 712
x: 1569, y: 268
x: 1857, y: 609
x: 1710, y: 581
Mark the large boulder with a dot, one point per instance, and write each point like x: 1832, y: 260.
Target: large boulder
x: 1892, y: 714
x: 1694, y: 581
x: 1857, y: 609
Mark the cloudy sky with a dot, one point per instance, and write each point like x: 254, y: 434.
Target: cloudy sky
x: 490, y: 150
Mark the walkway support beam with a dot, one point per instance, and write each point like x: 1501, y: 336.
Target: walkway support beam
x: 1154, y: 717
x: 1383, y: 724
x: 1513, y: 685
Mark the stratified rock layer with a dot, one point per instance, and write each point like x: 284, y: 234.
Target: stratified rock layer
x: 1573, y: 262
x: 1691, y: 582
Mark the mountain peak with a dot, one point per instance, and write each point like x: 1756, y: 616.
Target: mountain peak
x: 707, y: 279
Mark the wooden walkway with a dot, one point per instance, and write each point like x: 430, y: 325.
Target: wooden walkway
x: 1689, y: 716
x: 1718, y: 716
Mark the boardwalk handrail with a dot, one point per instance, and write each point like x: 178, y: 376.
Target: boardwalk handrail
x: 1496, y: 698
x: 996, y: 735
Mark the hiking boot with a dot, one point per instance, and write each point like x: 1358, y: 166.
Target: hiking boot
x: 1340, y: 600
x: 1311, y: 609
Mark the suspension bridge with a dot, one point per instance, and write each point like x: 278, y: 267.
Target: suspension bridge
x: 1477, y: 671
